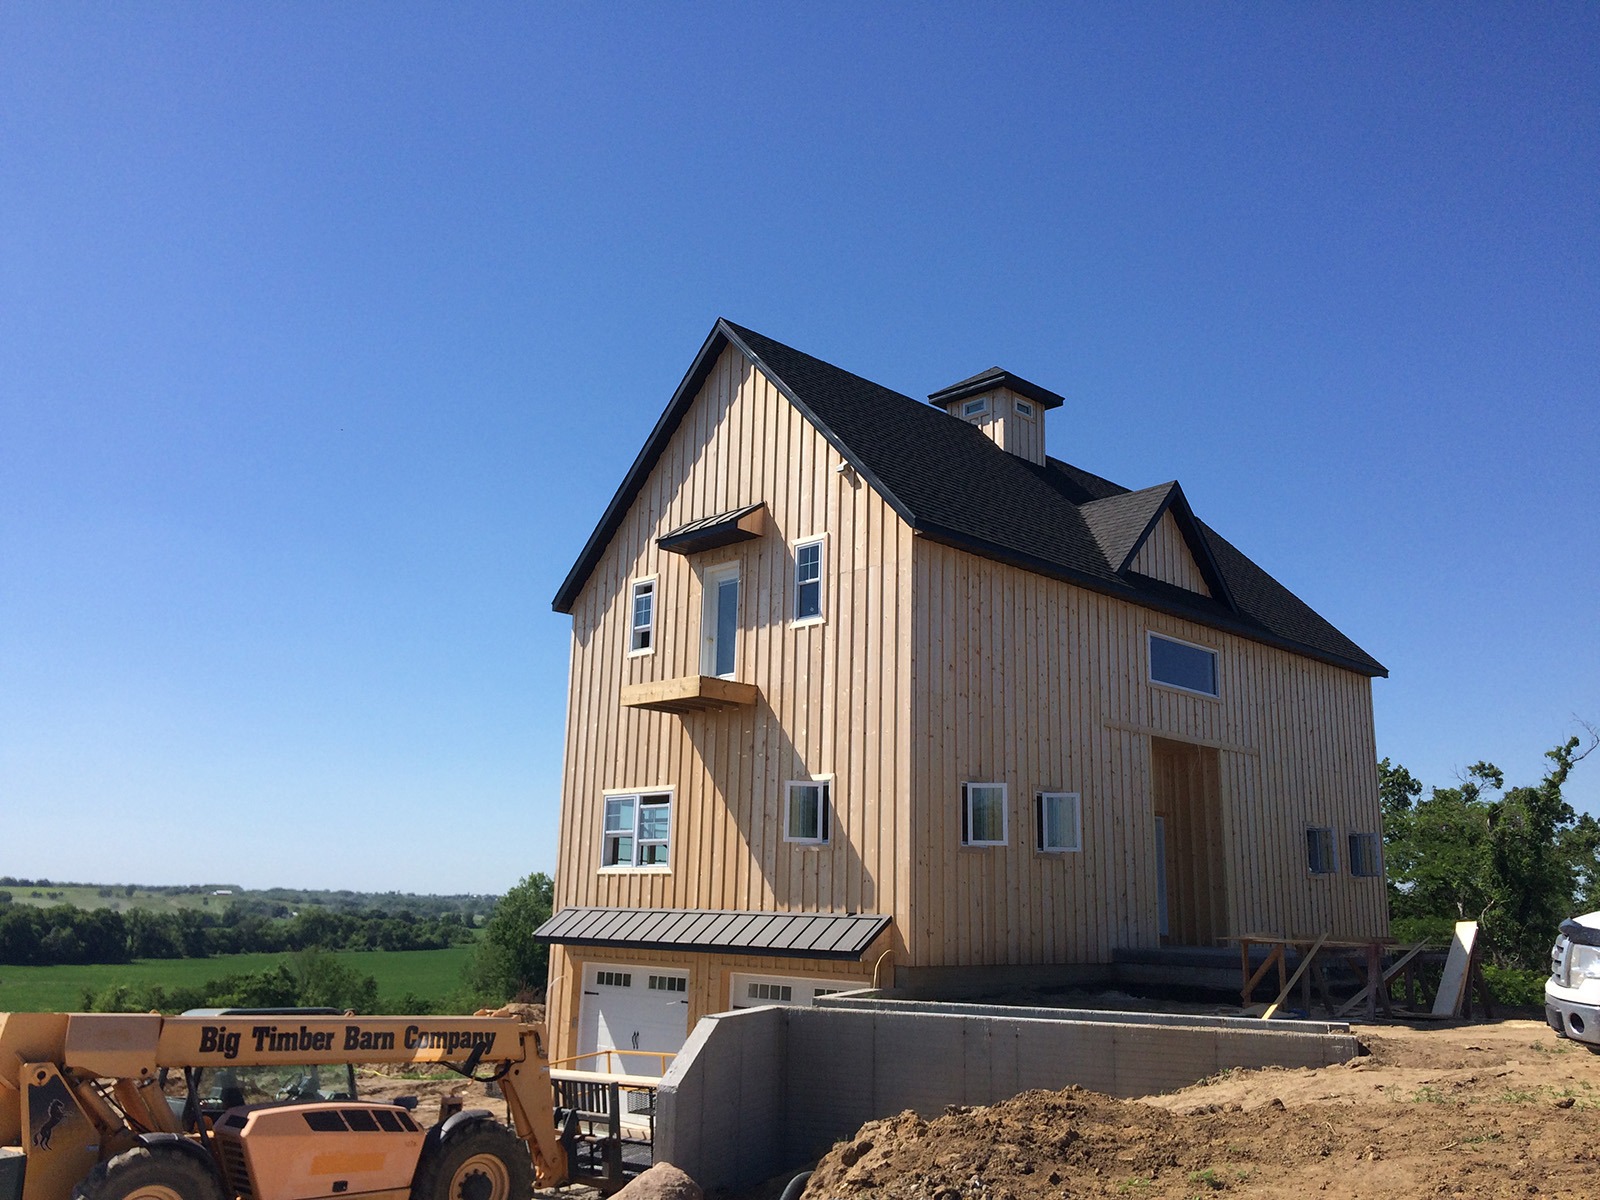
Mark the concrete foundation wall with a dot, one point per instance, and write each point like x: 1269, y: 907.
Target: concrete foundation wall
x: 758, y: 1091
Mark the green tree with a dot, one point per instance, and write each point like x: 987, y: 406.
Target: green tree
x: 1517, y: 861
x: 507, y: 962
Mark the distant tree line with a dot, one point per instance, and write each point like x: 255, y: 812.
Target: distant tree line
x: 468, y: 905
x: 62, y: 933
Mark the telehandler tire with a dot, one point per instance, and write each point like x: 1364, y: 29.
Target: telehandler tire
x: 151, y: 1173
x: 482, y: 1160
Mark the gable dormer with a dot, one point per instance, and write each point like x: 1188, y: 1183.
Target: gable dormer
x: 1153, y: 534
x: 1008, y: 408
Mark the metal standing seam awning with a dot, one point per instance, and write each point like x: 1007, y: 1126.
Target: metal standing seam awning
x: 723, y: 529
x: 844, y: 936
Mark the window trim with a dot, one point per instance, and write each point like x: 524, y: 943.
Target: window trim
x: 1024, y: 408
x: 820, y: 541
x: 978, y: 407
x: 637, y: 795
x: 1376, y: 843
x: 824, y: 810
x: 1330, y: 868
x: 1150, y: 664
x: 636, y: 651
x: 966, y: 813
x: 711, y: 581
x: 1039, y: 799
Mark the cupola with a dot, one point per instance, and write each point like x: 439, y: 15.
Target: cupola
x: 1005, y: 406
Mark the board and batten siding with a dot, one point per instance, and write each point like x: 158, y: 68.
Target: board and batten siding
x: 1044, y: 686
x: 835, y: 695
x: 1165, y: 556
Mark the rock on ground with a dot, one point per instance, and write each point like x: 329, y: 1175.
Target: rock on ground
x: 661, y: 1182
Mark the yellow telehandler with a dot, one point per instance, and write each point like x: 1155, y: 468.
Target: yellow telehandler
x: 104, y: 1106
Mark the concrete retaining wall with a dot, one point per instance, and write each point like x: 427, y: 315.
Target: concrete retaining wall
x: 755, y: 1092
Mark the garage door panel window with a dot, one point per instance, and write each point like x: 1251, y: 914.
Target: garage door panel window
x: 637, y: 830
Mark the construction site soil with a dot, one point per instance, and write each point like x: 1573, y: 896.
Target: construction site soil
x: 1481, y: 1109
x: 1488, y: 1109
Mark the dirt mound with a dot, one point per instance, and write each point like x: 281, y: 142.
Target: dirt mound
x: 1486, y: 1111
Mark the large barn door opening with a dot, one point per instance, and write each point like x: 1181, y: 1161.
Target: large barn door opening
x: 1185, y: 788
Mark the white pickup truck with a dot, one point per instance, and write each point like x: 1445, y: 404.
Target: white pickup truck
x: 1572, y: 993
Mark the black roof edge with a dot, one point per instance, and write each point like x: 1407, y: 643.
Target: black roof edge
x: 834, y: 440
x: 567, y: 594
x: 1189, y: 526
x: 1039, y: 566
x: 722, y: 333
x: 989, y: 380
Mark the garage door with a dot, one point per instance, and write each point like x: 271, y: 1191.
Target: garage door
x: 750, y: 990
x: 628, y: 1009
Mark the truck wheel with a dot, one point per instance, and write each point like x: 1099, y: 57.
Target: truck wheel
x: 151, y: 1173
x: 480, y: 1161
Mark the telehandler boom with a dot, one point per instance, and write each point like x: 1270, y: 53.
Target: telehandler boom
x: 85, y: 1115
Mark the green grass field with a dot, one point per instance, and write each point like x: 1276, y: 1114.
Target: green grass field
x: 429, y: 974
x: 89, y: 896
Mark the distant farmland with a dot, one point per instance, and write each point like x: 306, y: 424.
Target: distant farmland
x: 428, y: 974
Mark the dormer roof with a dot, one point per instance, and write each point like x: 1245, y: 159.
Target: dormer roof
x: 950, y: 483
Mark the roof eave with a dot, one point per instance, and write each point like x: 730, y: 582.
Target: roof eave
x: 1124, y: 591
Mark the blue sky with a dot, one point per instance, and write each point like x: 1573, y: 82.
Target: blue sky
x: 326, y: 332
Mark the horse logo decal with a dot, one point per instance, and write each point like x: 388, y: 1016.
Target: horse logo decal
x: 56, y: 1114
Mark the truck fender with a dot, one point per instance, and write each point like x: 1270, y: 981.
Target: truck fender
x: 178, y: 1141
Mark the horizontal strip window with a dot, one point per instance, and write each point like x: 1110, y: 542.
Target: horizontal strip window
x: 1183, y: 665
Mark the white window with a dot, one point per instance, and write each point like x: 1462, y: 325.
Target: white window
x: 983, y: 814
x: 806, y: 817
x: 1320, y: 857
x: 1364, y: 854
x: 642, y: 628
x: 808, y: 580
x: 719, y: 622
x: 1024, y: 409
x: 975, y: 408
x: 1059, y: 821
x: 637, y: 829
x: 1183, y: 665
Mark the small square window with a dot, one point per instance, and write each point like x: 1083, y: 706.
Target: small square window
x: 1320, y: 857
x: 1365, y: 854
x: 1059, y: 821
x: 641, y: 630
x: 983, y: 814
x: 975, y: 408
x: 806, y: 816
x: 637, y: 830
x: 808, y: 581
x: 1181, y: 665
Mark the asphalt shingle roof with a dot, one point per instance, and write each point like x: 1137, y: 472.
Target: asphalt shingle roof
x: 951, y: 483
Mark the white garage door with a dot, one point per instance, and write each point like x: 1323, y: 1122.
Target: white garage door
x: 750, y: 990
x: 630, y: 1009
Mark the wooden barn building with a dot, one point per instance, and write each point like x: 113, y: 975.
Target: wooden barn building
x: 865, y: 688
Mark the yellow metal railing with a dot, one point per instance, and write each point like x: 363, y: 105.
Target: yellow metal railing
x: 663, y: 1058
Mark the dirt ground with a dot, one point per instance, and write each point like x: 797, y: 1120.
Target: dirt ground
x: 1490, y: 1109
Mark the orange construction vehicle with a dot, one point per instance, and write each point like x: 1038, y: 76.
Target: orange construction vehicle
x: 262, y: 1105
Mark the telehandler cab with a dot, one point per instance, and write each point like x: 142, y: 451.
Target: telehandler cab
x: 85, y: 1113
